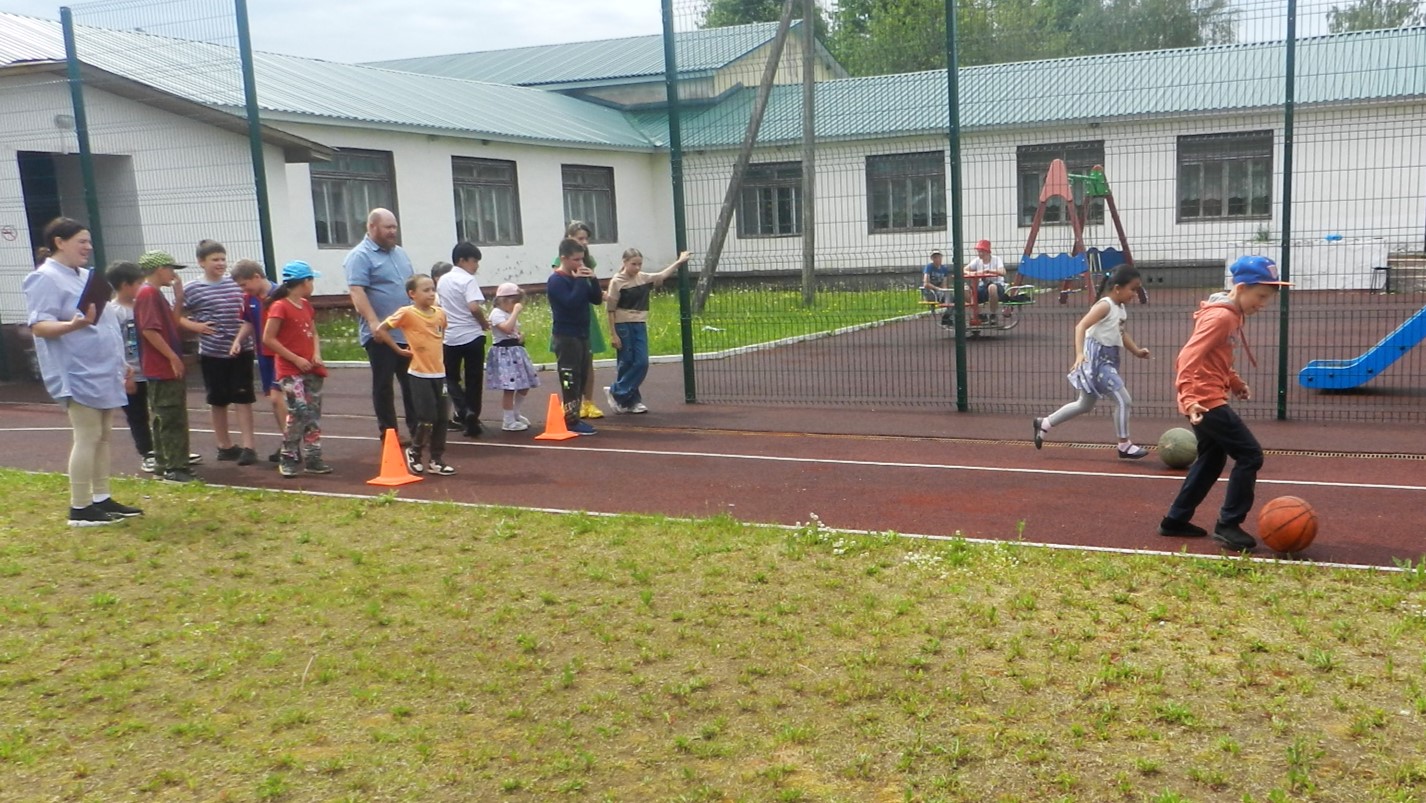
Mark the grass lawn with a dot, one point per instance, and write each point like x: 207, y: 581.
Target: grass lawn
x: 250, y: 646
x: 732, y: 318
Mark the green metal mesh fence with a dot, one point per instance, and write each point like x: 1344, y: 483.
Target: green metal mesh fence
x: 1182, y: 109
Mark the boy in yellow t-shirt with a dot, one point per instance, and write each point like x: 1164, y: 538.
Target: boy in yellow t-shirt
x: 424, y: 325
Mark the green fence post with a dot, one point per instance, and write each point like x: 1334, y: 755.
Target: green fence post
x: 81, y: 131
x: 264, y: 211
x: 953, y: 152
x: 1285, y: 264
x: 680, y: 223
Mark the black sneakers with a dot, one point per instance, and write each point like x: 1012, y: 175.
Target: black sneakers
x: 1039, y: 433
x: 1132, y: 453
x: 1233, y: 537
x: 116, y: 509
x: 1181, y: 529
x: 91, y: 516
x: 246, y: 457
x: 178, y: 475
x: 230, y: 453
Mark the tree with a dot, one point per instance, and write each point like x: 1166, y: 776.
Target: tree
x: 873, y: 37
x: 723, y: 13
x: 1371, y: 15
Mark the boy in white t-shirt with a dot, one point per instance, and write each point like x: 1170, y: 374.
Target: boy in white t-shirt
x: 989, y: 289
x: 466, y: 328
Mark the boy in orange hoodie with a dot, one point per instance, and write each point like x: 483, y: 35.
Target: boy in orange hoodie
x: 1205, y: 381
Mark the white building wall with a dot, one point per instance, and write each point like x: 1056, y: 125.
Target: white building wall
x: 1360, y: 172
x: 426, y: 205
x: 164, y: 181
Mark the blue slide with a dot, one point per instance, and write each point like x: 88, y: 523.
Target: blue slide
x: 1342, y: 374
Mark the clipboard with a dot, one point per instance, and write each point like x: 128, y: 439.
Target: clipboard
x: 97, y: 292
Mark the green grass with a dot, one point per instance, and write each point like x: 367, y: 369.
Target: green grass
x: 252, y: 646
x: 733, y: 318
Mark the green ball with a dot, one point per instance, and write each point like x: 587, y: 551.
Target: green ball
x: 1178, y: 448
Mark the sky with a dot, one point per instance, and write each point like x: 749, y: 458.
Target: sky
x: 376, y: 30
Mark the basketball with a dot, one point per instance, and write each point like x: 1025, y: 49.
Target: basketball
x: 1178, y: 448
x: 1287, y: 524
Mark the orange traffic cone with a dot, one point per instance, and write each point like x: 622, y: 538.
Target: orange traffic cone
x: 393, y: 464
x: 555, y: 430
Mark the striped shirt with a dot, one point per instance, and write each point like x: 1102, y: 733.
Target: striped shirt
x: 218, y: 303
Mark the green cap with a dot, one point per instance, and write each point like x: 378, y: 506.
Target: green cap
x: 153, y: 260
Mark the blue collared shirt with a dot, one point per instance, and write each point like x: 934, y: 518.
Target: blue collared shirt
x: 383, y: 274
x: 86, y: 365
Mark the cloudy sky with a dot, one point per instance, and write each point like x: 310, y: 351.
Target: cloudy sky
x: 373, y: 30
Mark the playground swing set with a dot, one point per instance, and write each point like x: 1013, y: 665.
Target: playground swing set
x: 1075, y: 271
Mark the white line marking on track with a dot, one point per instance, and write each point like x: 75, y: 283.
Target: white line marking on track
x: 1374, y: 486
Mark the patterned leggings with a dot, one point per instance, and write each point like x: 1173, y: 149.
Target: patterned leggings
x: 304, y: 418
x: 1085, y: 403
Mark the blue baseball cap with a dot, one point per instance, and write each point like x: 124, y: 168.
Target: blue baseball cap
x: 297, y: 270
x: 1256, y: 270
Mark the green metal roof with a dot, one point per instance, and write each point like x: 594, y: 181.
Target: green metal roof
x: 1362, y: 66
x: 289, y: 85
x: 628, y: 59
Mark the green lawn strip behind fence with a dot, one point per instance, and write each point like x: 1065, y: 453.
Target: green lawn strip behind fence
x: 733, y: 318
x: 250, y: 645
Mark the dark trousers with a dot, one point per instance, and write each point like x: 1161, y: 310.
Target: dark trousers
x: 571, y: 357
x: 465, y: 377
x: 137, y: 414
x: 1221, y: 435
x: 385, y: 364
x: 429, y: 397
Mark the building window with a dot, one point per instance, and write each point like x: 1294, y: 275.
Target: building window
x: 1033, y: 163
x: 1225, y: 176
x: 906, y: 192
x: 771, y: 203
x: 487, y: 199
x: 345, y: 190
x: 589, y: 196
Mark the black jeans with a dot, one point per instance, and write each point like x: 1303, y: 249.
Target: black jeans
x: 1221, y: 435
x: 429, y: 397
x: 136, y: 412
x: 465, y: 376
x: 571, y: 356
x: 385, y: 364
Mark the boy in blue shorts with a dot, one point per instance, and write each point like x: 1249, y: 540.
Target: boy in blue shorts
x: 256, y: 292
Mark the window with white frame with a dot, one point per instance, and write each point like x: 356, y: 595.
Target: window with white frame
x: 1223, y: 176
x: 345, y: 190
x: 1032, y: 163
x: 589, y: 196
x: 487, y: 201
x: 906, y: 192
x: 771, y: 201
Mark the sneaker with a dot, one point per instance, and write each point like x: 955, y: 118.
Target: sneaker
x: 228, y: 454
x: 247, y: 457
x: 1132, y: 453
x: 115, y: 509
x: 90, y: 516
x: 275, y: 457
x: 522, y: 419
x: 180, y: 475
x: 1039, y: 433
x: 588, y: 410
x: 457, y: 422
x: 515, y: 426
x: 1233, y: 537
x: 613, y: 404
x: 413, y: 461
x: 473, y: 428
x: 289, y: 470
x: 150, y: 464
x: 194, y: 458
x: 1180, y: 529
x: 639, y: 408
x: 582, y: 428
x: 437, y: 467
x: 316, y: 466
